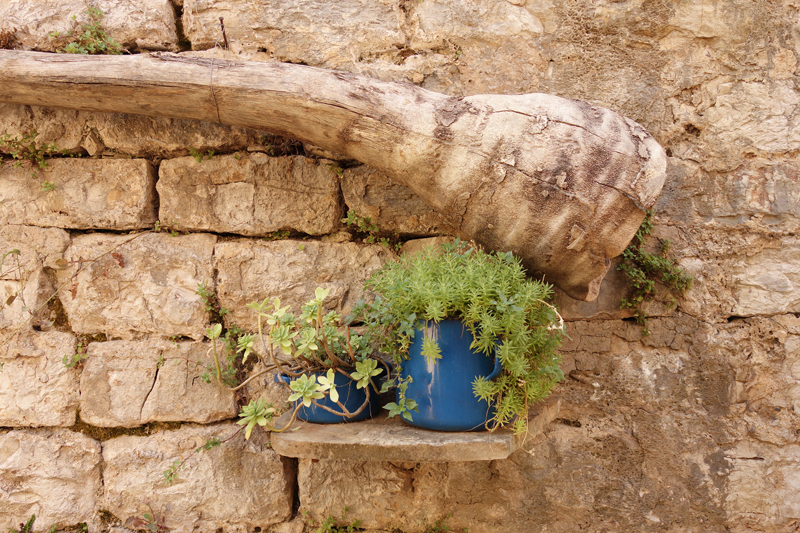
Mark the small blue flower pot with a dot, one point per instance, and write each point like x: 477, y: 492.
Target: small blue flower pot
x: 443, y: 389
x: 350, y: 396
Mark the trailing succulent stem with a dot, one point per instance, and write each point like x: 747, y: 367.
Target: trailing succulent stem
x: 645, y: 271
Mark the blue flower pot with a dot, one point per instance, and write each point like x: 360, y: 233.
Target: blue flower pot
x: 350, y: 396
x: 443, y: 389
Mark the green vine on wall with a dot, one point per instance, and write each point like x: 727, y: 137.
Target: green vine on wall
x: 645, y: 271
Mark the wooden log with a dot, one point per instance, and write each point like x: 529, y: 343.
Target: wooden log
x: 561, y: 183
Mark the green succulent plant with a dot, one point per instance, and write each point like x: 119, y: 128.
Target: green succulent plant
x: 501, y: 307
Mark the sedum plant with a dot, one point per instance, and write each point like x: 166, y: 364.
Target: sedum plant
x: 502, y: 308
x: 311, y: 349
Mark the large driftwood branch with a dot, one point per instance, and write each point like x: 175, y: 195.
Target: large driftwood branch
x: 561, y: 183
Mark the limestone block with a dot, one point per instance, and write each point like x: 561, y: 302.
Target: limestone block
x: 236, y: 486
x: 391, y: 207
x: 413, y: 496
x: 54, y: 474
x: 24, y: 286
x: 751, y: 117
x: 146, y: 284
x: 292, y: 270
x: 757, y: 188
x: 328, y: 34
x: 36, y: 388
x: 477, y: 47
x: 761, y: 280
x: 251, y: 194
x: 439, y: 21
x: 128, y: 384
x: 142, y: 136
x: 143, y: 25
x: 763, y: 484
x: 134, y: 135
x: 88, y: 194
x: 62, y: 127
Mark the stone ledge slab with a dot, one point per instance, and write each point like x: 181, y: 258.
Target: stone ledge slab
x: 291, y: 270
x: 148, y: 287
x: 113, y: 194
x: 236, y: 486
x: 54, y: 474
x: 127, y: 384
x: 390, y: 439
x: 36, y: 389
x: 250, y: 194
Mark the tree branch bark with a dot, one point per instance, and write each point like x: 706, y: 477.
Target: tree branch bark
x: 561, y: 183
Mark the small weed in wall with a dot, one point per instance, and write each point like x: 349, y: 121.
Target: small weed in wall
x: 90, y: 37
x: 370, y: 232
x: 73, y: 360
x: 200, y: 156
x: 24, y: 150
x: 645, y: 271
x: 27, y: 527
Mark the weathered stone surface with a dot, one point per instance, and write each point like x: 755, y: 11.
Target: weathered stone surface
x: 118, y: 133
x: 391, y: 207
x: 236, y: 486
x: 128, y: 384
x: 763, y: 484
x: 94, y: 193
x: 412, y: 496
x: 24, y: 286
x: 759, y: 279
x: 250, y: 194
x: 145, y: 25
x: 757, y: 189
x: 292, y: 270
x: 142, y: 136
x: 54, y: 474
x: 145, y: 284
x: 319, y: 34
x: 36, y: 388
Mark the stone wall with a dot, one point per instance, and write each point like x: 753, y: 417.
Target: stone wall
x: 693, y: 428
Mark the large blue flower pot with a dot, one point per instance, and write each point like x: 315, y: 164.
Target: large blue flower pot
x: 350, y: 396
x: 443, y: 389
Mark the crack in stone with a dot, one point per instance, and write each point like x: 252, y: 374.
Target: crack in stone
x: 152, y: 387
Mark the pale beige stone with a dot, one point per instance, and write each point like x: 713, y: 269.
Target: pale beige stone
x: 240, y: 484
x: 761, y: 281
x: 145, y: 284
x: 763, y: 484
x: 142, y: 25
x: 321, y: 34
x: 757, y: 188
x: 133, y: 135
x: 36, y: 388
x: 753, y: 117
x: 391, y: 207
x: 92, y: 193
x: 128, y: 384
x: 250, y: 194
x: 54, y: 474
x: 292, y: 270
x: 24, y: 286
x: 141, y: 136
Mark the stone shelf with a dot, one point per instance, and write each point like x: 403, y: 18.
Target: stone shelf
x: 389, y: 439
